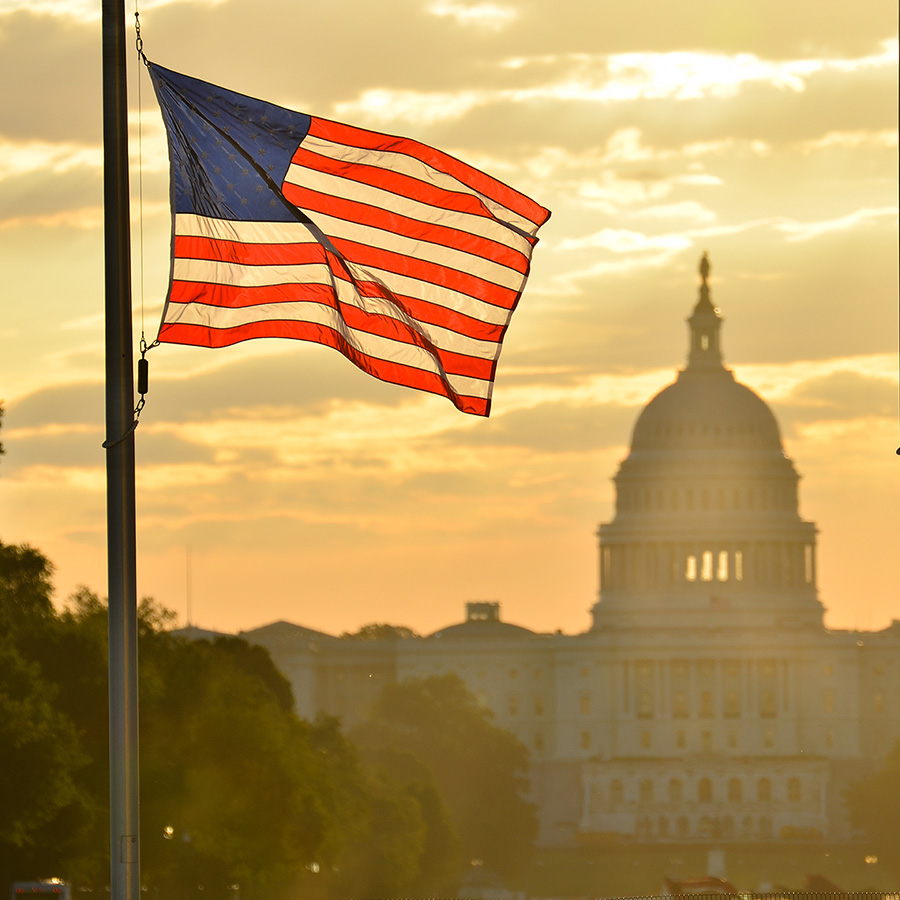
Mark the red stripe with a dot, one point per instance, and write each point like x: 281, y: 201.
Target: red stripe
x: 240, y: 296
x: 478, y: 181
x: 428, y: 272
x: 395, y: 223
x: 394, y: 182
x: 223, y: 250
x: 385, y: 370
x: 235, y: 296
x: 229, y: 297
x: 433, y: 313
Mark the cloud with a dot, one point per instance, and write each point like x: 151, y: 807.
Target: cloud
x: 619, y: 240
x: 557, y: 427
x: 805, y: 231
x: 689, y: 210
x: 841, y: 395
x: 490, y: 16
x: 50, y: 67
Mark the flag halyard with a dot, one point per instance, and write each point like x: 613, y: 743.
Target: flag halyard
x: 401, y: 257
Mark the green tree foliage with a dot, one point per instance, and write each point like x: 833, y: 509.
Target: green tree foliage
x: 38, y: 746
x: 43, y: 756
x: 477, y: 768
x: 26, y: 588
x: 379, y: 631
x: 874, y: 808
x: 235, y: 787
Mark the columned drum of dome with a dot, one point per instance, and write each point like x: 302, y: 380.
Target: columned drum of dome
x: 706, y: 521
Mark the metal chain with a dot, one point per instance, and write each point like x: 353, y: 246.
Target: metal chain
x: 138, y: 40
x: 142, y: 389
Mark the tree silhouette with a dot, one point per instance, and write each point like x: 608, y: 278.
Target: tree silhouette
x: 873, y: 807
x: 478, y: 768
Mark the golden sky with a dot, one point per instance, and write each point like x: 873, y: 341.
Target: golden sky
x: 276, y: 481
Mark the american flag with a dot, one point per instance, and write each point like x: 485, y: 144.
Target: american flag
x: 403, y: 258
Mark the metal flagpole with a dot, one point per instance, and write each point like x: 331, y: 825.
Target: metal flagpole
x: 120, y: 506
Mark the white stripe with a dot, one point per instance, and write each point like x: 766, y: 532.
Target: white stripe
x: 186, y: 269
x: 208, y: 271
x: 433, y: 293
x: 197, y: 314
x: 348, y: 189
x: 191, y: 225
x: 378, y: 238
x: 214, y: 271
x: 415, y: 168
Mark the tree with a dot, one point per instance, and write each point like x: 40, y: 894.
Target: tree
x: 379, y: 631
x: 40, y: 757
x: 478, y: 768
x: 873, y: 806
x: 26, y: 587
x: 438, y: 850
x: 235, y: 787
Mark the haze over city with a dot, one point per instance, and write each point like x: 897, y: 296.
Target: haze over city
x: 276, y: 481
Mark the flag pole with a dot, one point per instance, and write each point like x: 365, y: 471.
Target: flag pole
x: 120, y: 504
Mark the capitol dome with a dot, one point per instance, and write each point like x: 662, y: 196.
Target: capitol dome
x: 707, y: 513
x: 708, y: 410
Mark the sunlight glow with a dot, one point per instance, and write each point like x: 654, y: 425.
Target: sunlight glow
x: 608, y: 79
x: 20, y: 158
x: 778, y: 381
x: 804, y: 231
x: 384, y: 105
x: 87, y: 218
x: 481, y: 15
x: 619, y: 240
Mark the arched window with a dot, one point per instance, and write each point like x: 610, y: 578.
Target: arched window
x: 794, y: 790
x: 735, y: 790
x: 645, y: 705
x: 732, y: 704
x: 722, y: 568
x: 706, y: 567
x: 616, y: 792
x: 646, y: 791
x: 676, y: 790
x: 682, y: 827
x: 690, y: 569
x: 704, y: 790
x: 764, y: 790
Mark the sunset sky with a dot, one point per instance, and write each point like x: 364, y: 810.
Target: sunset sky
x: 277, y: 481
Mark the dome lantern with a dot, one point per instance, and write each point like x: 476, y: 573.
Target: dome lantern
x: 705, y: 324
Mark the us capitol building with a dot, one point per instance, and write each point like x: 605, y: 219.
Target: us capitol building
x: 707, y: 701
